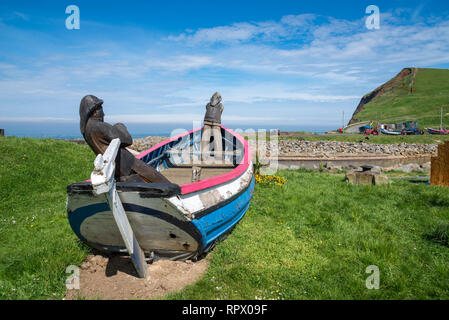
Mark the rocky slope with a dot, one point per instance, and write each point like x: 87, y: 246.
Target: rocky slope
x: 386, y: 87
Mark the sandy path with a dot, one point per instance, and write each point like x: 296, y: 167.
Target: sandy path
x: 113, y: 277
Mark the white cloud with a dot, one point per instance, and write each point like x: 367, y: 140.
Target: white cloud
x: 287, y: 27
x: 21, y: 15
x: 179, y: 63
x: 267, y: 66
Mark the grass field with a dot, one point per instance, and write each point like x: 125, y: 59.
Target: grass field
x: 431, y: 91
x: 381, y: 139
x: 36, y: 241
x: 312, y: 238
x: 356, y: 137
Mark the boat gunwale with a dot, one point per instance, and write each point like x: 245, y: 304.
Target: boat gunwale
x: 437, y: 131
x: 213, y: 181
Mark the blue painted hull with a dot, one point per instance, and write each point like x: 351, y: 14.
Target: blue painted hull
x: 216, y: 223
x: 206, y: 229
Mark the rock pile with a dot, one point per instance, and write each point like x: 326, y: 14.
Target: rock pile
x: 339, y: 149
x: 351, y: 148
x: 142, y: 144
x: 322, y: 148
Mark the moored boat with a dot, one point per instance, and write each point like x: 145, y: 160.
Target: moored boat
x: 435, y: 131
x: 389, y: 132
x: 178, y: 220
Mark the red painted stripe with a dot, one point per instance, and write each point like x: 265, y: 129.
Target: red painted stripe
x: 214, y: 181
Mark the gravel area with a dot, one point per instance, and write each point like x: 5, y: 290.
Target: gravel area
x: 323, y: 148
x: 335, y: 148
x: 142, y: 144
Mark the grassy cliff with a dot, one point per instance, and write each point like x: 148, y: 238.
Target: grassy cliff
x: 415, y: 94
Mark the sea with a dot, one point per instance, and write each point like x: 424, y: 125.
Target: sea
x: 71, y: 130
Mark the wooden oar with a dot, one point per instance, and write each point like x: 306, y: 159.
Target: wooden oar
x: 103, y: 181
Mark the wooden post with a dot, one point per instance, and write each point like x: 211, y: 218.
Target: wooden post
x: 2, y: 132
x: 439, y: 166
x: 196, y: 173
x: 103, y: 182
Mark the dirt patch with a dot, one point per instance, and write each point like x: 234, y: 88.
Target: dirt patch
x: 113, y: 277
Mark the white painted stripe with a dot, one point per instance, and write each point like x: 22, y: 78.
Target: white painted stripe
x: 191, y: 203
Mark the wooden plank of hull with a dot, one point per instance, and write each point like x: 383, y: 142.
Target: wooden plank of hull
x: 214, y: 211
x: 162, y: 223
x: 196, y: 202
x: 154, y: 226
x: 151, y: 232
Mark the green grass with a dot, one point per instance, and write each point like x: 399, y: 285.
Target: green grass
x: 36, y: 241
x: 311, y: 239
x: 440, y: 234
x: 356, y: 137
x: 398, y: 173
x: 381, y: 139
x: 314, y: 238
x: 431, y: 93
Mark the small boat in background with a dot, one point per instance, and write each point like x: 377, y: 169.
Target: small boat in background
x: 435, y: 131
x: 390, y: 132
x: 409, y: 132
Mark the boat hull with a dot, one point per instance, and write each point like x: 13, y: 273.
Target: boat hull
x: 434, y: 131
x: 160, y: 225
x: 389, y: 132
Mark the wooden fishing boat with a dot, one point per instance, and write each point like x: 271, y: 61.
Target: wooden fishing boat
x: 435, y: 131
x: 390, y: 132
x: 179, y: 220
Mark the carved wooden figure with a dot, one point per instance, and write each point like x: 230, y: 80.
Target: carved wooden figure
x: 212, y: 128
x: 98, y: 134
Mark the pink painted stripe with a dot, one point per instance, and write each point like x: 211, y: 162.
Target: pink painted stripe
x: 235, y: 173
x: 144, y: 153
x: 214, y: 181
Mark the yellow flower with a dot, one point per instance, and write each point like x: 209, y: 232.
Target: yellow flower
x: 266, y: 179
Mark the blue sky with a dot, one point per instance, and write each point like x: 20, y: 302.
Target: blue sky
x: 275, y: 62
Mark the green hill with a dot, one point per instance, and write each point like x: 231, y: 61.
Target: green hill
x: 415, y: 94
